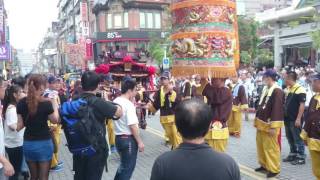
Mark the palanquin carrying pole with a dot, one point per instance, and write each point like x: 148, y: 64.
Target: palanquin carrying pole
x: 205, y: 38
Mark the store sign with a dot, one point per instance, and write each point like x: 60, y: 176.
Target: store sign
x: 49, y: 52
x: 89, y: 49
x: 113, y: 35
x: 5, y: 52
x: 2, y: 22
x: 84, y: 11
x: 85, y: 29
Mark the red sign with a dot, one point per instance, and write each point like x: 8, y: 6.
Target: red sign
x: 89, y: 49
x: 84, y: 11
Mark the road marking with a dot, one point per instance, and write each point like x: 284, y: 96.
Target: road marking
x: 243, y: 169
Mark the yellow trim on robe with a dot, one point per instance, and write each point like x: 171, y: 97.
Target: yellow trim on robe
x: 304, y: 135
x: 244, y: 106
x: 264, y: 126
x: 167, y: 119
x: 317, y: 97
x: 172, y: 97
x: 239, y: 107
x: 313, y: 144
x: 218, y: 134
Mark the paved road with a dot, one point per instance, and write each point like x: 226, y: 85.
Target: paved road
x: 243, y: 150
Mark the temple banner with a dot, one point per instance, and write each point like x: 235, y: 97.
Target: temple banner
x: 205, y: 38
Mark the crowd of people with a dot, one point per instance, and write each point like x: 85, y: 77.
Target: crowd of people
x: 198, y: 114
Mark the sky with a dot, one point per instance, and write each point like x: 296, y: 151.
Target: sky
x: 29, y: 21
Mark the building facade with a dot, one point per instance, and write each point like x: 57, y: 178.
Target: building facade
x: 127, y: 26
x: 291, y: 38
x: 251, y: 7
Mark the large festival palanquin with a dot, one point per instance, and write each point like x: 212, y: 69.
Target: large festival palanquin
x: 205, y: 38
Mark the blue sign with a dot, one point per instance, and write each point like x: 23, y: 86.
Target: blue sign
x: 166, y: 63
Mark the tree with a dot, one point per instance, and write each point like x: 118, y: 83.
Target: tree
x: 248, y: 38
x: 157, y: 46
x: 265, y: 58
x: 245, y: 57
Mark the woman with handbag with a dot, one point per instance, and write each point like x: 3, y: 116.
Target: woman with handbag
x: 33, y: 113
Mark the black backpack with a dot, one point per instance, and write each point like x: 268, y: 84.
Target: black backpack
x: 84, y: 133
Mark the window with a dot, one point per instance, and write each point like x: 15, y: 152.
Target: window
x: 157, y: 21
x: 125, y: 20
x: 109, y: 21
x: 142, y: 20
x: 149, y: 20
x: 117, y: 20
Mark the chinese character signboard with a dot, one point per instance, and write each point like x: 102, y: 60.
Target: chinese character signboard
x: 5, y: 52
x: 89, y: 49
x: 2, y: 22
x: 84, y: 11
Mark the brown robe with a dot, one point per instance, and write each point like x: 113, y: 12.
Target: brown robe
x: 312, y: 124
x: 220, y: 100
x: 270, y: 114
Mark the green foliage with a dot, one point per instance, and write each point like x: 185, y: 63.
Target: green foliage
x: 315, y: 39
x: 293, y: 24
x: 245, y: 57
x: 265, y: 58
x: 156, y: 48
x: 248, y: 36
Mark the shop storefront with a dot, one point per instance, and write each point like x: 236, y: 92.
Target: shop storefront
x: 122, y: 42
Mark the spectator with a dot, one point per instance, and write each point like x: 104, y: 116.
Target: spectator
x: 33, y: 113
x: 52, y: 93
x: 128, y: 141
x: 13, y: 139
x: 294, y: 109
x: 194, y: 159
x: 91, y: 167
x: 6, y: 168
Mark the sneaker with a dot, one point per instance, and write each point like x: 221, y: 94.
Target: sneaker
x: 272, y: 175
x: 113, y: 149
x: 290, y: 158
x: 56, y: 169
x: 299, y: 161
x: 260, y: 169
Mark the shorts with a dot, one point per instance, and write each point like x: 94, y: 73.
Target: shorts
x: 38, y: 151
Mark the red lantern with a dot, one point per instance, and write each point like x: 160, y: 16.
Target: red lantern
x: 127, y: 59
x: 152, y: 70
x: 102, y: 69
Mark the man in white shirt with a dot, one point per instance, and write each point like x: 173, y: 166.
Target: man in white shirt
x: 128, y: 141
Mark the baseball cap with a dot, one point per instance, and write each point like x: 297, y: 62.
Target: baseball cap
x: 270, y: 73
x: 52, y: 79
x: 165, y: 75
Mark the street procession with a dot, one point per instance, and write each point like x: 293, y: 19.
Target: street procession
x: 160, y: 90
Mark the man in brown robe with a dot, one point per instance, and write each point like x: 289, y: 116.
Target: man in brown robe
x: 165, y: 100
x: 268, y: 121
x: 311, y: 131
x: 220, y: 99
x: 239, y: 104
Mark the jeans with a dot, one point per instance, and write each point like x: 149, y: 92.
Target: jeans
x: 15, y: 158
x: 89, y: 168
x: 296, y: 144
x: 128, y: 150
